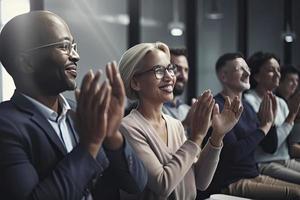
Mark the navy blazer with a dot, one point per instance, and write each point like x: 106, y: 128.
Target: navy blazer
x: 34, y: 164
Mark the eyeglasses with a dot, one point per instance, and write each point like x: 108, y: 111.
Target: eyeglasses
x: 65, y: 46
x: 159, y: 71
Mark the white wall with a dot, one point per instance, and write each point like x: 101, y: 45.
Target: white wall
x: 9, y: 9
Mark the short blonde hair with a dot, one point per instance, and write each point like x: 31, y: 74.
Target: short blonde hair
x: 129, y: 63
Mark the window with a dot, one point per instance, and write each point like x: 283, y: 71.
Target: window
x: 9, y: 9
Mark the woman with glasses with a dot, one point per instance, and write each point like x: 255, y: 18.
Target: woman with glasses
x: 176, y: 165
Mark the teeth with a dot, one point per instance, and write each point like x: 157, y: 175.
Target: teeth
x: 167, y: 88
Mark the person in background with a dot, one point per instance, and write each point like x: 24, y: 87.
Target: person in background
x: 289, y: 81
x: 288, y: 86
x: 237, y: 172
x: 176, y: 165
x: 176, y: 107
x: 265, y: 76
x: 49, y: 150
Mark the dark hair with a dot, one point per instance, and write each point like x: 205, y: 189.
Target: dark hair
x: 178, y: 52
x: 255, y: 62
x: 288, y: 69
x: 221, y: 62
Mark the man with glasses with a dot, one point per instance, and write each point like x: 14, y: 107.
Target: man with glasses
x: 48, y: 149
x: 177, y: 108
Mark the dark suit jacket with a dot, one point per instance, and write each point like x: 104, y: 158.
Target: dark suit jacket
x: 34, y: 164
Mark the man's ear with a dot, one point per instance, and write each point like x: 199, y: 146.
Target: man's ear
x: 222, y: 76
x: 25, y: 63
x: 134, y: 84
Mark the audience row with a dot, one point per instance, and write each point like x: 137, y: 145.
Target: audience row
x: 239, y: 142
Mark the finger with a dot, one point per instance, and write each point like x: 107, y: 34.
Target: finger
x: 193, y: 101
x: 104, y: 104
x: 83, y: 90
x: 204, y: 104
x: 236, y: 104
x: 94, y: 87
x: 241, y: 108
x: 227, y: 103
x: 86, y: 81
x: 109, y: 73
x: 211, y: 107
x: 77, y: 93
x: 216, y: 110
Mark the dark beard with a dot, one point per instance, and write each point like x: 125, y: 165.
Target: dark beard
x: 178, y: 91
x: 51, y: 85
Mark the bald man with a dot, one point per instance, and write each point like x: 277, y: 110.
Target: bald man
x: 43, y: 153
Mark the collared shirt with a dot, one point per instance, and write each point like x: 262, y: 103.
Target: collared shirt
x: 178, y: 110
x: 58, y: 122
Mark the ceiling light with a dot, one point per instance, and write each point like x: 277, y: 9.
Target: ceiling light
x: 176, y: 27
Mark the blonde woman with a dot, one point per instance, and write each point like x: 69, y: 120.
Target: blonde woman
x: 176, y: 165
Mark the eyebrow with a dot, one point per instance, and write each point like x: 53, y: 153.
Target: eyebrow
x: 68, y: 38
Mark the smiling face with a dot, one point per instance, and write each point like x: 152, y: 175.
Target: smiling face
x: 289, y: 84
x: 269, y: 75
x: 54, y: 67
x: 148, y: 87
x: 235, y: 75
x: 182, y: 73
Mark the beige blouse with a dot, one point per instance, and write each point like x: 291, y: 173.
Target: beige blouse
x: 173, y: 168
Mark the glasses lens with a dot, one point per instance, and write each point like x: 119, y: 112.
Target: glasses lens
x: 159, y: 72
x: 74, y: 47
x: 172, y: 70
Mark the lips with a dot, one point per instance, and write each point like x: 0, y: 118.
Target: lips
x: 72, y: 70
x: 167, y: 88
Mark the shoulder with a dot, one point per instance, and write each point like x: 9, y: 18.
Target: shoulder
x: 9, y: 111
x: 250, y: 96
x: 282, y: 106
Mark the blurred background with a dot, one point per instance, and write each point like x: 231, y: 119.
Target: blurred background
x: 104, y: 29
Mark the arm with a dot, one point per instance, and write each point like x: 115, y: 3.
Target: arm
x: 270, y: 143
x: 21, y: 180
x: 127, y: 169
x: 206, y: 165
x: 283, y: 129
x: 295, y: 150
x: 266, y: 115
x: 162, y: 178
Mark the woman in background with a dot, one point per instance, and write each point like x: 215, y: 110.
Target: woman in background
x: 176, y: 165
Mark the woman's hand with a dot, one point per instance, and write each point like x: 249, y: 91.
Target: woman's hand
x: 201, y: 112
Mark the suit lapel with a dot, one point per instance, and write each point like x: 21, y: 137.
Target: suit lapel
x: 26, y: 106
x: 71, y: 115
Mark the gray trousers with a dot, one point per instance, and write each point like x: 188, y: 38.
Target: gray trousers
x: 286, y: 170
x: 264, y: 187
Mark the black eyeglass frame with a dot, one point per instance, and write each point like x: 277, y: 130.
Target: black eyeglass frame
x: 170, y: 67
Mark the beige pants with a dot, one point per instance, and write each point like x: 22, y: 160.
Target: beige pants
x: 264, y: 187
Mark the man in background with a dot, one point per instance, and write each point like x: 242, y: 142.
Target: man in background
x: 177, y: 108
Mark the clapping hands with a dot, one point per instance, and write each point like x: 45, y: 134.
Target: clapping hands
x: 205, y: 113
x: 100, y: 108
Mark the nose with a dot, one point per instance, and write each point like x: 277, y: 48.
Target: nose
x: 246, y: 71
x: 74, y: 55
x: 277, y: 73
x: 168, y: 75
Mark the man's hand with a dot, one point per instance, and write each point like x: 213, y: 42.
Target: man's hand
x: 114, y: 139
x: 92, y: 107
x: 223, y: 122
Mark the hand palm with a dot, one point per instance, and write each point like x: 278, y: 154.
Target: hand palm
x: 116, y: 107
x: 225, y: 121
